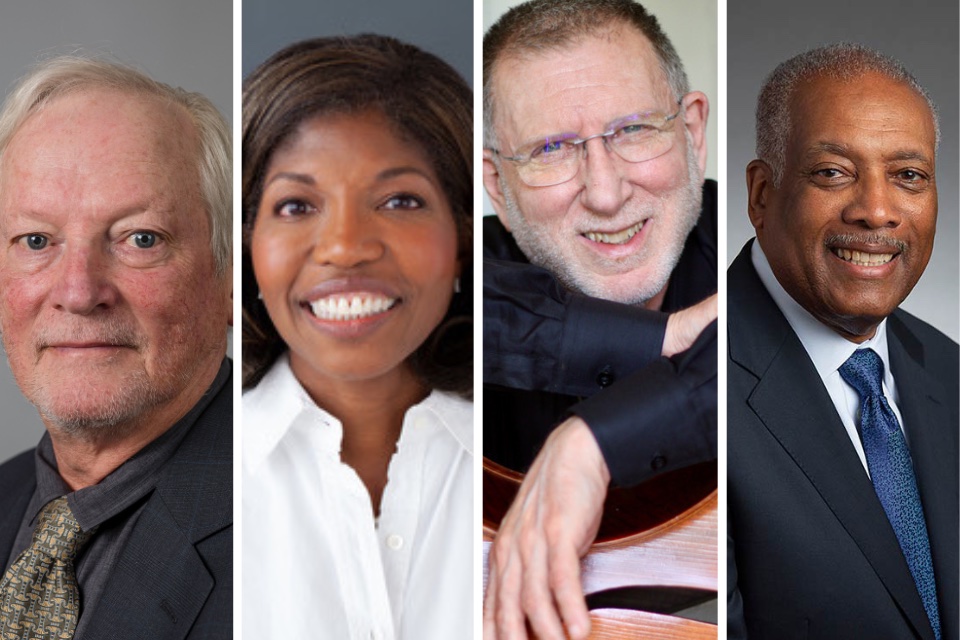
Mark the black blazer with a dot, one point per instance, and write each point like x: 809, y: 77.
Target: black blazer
x: 174, y: 578
x: 810, y: 551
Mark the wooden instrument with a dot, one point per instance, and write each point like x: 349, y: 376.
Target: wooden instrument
x: 662, y: 533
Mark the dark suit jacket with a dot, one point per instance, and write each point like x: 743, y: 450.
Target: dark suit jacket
x: 811, y: 553
x: 174, y: 577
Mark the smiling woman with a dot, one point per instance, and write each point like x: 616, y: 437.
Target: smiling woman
x: 357, y: 335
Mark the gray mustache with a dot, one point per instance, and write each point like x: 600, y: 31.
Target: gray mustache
x: 871, y: 238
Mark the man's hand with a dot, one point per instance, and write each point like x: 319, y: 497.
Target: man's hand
x: 534, y: 563
x: 684, y: 326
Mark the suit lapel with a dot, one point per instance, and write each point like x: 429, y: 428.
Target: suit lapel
x: 925, y: 406
x: 791, y: 402
x: 161, y: 582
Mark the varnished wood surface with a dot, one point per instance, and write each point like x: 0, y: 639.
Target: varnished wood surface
x: 626, y: 512
x: 618, y: 624
x: 679, y: 553
x: 660, y: 534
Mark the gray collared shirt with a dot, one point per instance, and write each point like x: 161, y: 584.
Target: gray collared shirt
x: 113, y: 505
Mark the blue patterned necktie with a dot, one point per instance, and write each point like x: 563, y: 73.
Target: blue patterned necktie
x: 39, y: 598
x: 891, y: 470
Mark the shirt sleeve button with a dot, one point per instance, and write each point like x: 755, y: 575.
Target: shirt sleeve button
x: 605, y: 377
x: 658, y: 462
x: 394, y: 541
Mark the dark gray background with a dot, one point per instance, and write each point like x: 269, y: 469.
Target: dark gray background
x: 442, y: 27
x: 922, y: 35
x: 186, y: 43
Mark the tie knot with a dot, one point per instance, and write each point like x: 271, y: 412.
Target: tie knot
x: 864, y: 372
x: 58, y: 533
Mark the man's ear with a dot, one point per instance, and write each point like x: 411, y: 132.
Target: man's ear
x: 695, y: 112
x: 760, y: 190
x: 491, y: 182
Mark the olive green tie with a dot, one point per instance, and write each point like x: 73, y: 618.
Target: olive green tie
x: 39, y: 596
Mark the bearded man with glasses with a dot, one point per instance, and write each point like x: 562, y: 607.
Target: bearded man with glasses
x: 600, y: 275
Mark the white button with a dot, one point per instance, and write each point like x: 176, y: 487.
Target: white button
x: 394, y: 541
x: 374, y: 634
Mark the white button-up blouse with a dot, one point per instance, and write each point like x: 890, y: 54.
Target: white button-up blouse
x: 315, y: 563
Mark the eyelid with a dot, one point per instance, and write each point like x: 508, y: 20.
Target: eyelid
x: 645, y: 119
x: 158, y: 238
x: 22, y: 240
x: 302, y: 203
x: 418, y: 200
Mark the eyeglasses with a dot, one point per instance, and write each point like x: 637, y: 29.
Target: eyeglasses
x: 635, y: 138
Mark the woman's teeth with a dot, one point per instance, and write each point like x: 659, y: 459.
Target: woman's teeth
x: 350, y: 307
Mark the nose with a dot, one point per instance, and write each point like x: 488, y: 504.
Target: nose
x: 605, y: 189
x: 83, y: 283
x: 875, y: 204
x: 348, y: 237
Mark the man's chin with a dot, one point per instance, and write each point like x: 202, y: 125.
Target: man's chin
x: 628, y: 286
x: 95, y: 412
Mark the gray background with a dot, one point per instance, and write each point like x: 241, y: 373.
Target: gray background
x: 761, y: 34
x: 692, y: 28
x: 184, y: 43
x: 442, y: 27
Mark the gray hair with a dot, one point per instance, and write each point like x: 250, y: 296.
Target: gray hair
x: 840, y: 61
x: 64, y: 75
x: 548, y: 25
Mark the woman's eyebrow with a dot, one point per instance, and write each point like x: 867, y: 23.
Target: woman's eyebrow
x: 293, y: 177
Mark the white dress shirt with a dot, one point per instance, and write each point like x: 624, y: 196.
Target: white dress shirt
x: 829, y: 350
x: 315, y: 563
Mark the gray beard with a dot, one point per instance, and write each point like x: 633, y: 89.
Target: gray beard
x: 116, y: 414
x: 541, y: 250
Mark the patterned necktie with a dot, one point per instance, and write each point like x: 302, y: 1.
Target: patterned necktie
x: 39, y: 596
x: 891, y: 470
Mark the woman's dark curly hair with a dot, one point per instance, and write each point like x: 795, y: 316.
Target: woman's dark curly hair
x: 428, y: 103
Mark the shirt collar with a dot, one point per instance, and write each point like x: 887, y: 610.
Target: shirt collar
x: 827, y: 349
x: 126, y: 484
x: 279, y: 403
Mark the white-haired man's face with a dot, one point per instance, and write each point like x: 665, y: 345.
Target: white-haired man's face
x: 616, y: 229
x: 111, y: 311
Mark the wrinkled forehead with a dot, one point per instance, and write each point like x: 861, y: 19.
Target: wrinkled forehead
x: 844, y: 109
x: 115, y: 120
x: 94, y: 133
x: 584, y: 83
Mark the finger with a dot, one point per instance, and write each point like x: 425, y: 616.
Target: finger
x: 489, y: 599
x: 508, y: 615
x: 568, y: 592
x: 537, y: 598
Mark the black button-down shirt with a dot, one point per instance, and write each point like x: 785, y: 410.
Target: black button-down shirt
x: 550, y: 352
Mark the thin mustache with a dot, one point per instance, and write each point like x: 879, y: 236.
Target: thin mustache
x: 875, y: 239
x: 103, y: 334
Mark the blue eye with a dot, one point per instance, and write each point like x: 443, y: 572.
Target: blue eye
x: 144, y: 239
x: 551, y: 147
x: 635, y: 129
x: 35, y: 241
